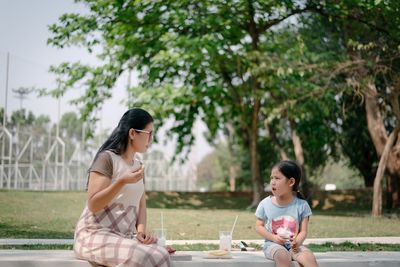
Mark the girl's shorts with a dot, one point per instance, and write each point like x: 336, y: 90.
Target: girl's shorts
x: 270, y: 251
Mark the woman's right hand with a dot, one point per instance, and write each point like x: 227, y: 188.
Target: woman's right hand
x: 146, y: 238
x: 131, y: 177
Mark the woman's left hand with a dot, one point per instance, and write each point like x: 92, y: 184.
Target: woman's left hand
x: 146, y: 238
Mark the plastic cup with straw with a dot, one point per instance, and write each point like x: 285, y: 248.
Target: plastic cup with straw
x: 234, y: 224
x: 161, y: 238
x: 225, y: 238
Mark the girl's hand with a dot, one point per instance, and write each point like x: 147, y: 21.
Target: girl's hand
x: 279, y: 240
x: 131, y: 177
x: 146, y: 238
x: 295, y: 246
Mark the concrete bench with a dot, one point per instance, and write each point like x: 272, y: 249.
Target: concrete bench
x: 65, y: 258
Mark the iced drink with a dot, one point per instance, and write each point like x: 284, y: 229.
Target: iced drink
x: 225, y: 240
x: 161, y: 235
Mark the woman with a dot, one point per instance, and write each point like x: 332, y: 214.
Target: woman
x: 116, y: 202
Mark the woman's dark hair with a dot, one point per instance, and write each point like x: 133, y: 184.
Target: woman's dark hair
x: 117, y: 142
x: 290, y: 169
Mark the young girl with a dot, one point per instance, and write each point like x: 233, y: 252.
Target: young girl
x: 282, y: 219
x: 116, y: 202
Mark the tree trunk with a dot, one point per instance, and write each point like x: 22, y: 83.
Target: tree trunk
x: 299, y: 154
x: 230, y: 134
x: 393, y: 165
x: 377, y: 196
x: 258, y: 185
x: 392, y: 196
x: 375, y: 123
x: 232, y: 177
x: 274, y: 138
x: 395, y: 192
x: 379, y: 137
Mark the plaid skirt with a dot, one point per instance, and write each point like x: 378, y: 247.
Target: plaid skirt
x: 99, y: 240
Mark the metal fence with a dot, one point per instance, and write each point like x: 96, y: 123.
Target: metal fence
x: 35, y: 161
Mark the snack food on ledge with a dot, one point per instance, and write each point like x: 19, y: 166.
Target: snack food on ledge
x: 217, y: 253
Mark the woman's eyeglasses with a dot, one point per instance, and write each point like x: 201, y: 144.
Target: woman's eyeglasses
x: 150, y: 133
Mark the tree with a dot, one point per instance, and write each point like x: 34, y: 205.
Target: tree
x: 71, y: 126
x: 213, y: 169
x: 375, y: 58
x: 235, y: 63
x: 21, y: 118
x: 41, y: 125
x: 339, y: 109
x: 297, y: 113
x: 371, y: 70
x: 194, y: 61
x: 354, y: 139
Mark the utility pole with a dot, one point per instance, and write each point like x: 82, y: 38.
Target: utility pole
x: 6, y: 160
x: 5, y: 104
x: 22, y: 94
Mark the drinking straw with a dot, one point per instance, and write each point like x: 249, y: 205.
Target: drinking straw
x: 234, y: 224
x: 162, y: 224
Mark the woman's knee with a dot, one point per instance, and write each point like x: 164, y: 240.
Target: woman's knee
x: 162, y: 252
x: 159, y: 255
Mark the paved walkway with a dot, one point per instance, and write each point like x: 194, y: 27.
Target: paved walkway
x: 355, y: 240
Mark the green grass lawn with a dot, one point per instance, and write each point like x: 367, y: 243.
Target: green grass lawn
x: 195, y: 216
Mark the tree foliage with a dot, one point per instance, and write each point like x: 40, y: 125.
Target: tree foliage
x: 266, y: 69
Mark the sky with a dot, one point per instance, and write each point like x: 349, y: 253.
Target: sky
x: 24, y: 34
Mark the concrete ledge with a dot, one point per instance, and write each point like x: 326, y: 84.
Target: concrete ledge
x: 354, y: 240
x: 65, y: 258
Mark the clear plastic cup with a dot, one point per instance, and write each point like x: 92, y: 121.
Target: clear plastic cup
x: 225, y: 240
x: 161, y: 235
